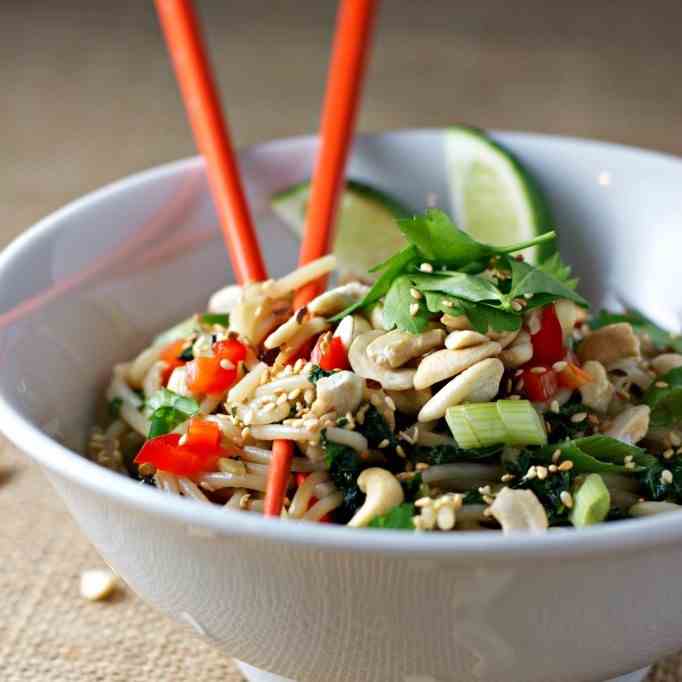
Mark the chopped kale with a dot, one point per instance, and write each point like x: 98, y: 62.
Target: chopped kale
x: 560, y: 425
x: 473, y: 497
x: 376, y: 430
x: 446, y: 454
x: 345, y: 466
x: 317, y: 373
x: 398, y: 518
x: 114, y: 407
x: 657, y: 489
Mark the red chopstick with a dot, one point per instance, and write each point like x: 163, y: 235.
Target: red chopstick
x: 193, y: 73
x: 354, y: 24
x: 346, y: 69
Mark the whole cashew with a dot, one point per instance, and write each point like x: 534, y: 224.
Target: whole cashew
x: 383, y: 493
x: 519, y: 510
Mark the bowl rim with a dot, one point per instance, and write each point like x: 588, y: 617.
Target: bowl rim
x: 603, y: 539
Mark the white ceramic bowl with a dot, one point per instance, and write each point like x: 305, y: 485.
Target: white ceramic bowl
x: 314, y: 602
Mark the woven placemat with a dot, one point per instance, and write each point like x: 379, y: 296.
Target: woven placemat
x: 49, y: 633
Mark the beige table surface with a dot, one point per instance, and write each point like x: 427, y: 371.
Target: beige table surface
x: 88, y: 97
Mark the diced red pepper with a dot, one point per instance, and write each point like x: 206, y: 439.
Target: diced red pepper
x: 203, y: 433
x: 206, y: 375
x: 540, y: 387
x: 573, y: 376
x: 334, y: 355
x: 230, y: 349
x: 548, y: 343
x: 166, y: 453
x: 169, y: 355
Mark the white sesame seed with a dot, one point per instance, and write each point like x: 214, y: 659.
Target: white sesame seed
x: 554, y: 406
x: 447, y: 304
x: 516, y: 306
x: 675, y: 439
x: 566, y: 465
x: 183, y: 439
x: 98, y: 584
x: 661, y: 384
x: 542, y: 472
x: 628, y: 459
x: 484, y: 490
x: 538, y: 370
x: 423, y: 502
x: 426, y: 267
x: 560, y: 366
x: 416, y: 294
x: 566, y: 499
x: 445, y: 518
x: 553, y: 468
x: 514, y: 396
x: 246, y: 432
x: 579, y: 417
x: 630, y: 465
x: 505, y: 478
x: 400, y: 451
x: 667, y: 454
x: 414, y: 309
x: 531, y: 473
x: 421, y: 466
x: 384, y: 443
x: 666, y: 476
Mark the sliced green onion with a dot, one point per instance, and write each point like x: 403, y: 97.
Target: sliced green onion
x: 591, y: 502
x: 510, y: 422
x: 222, y: 319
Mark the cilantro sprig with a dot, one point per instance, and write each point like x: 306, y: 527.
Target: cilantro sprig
x: 444, y: 270
x: 167, y: 410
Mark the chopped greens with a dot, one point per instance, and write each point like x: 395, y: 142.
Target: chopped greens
x: 662, y: 339
x: 167, y: 410
x: 666, y: 401
x: 447, y: 454
x: 399, y: 518
x: 222, y: 319
x: 114, y: 407
x: 317, y: 373
x: 561, y: 427
x: 446, y: 267
x: 345, y: 466
x: 376, y: 430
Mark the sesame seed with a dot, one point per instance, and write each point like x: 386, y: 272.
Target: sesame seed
x: 531, y: 473
x: 423, y: 502
x: 426, y: 267
x: 566, y: 499
x: 414, y: 309
x: 416, y: 294
x: 514, y: 396
x: 400, y: 451
x: 628, y: 459
x: 542, y: 472
x: 579, y: 417
x: 554, y: 406
x: 421, y: 466
x: 553, y: 468
x: 661, y: 384
x: 447, y: 304
x: 667, y: 454
x: 298, y: 365
x: 675, y: 439
x: 560, y: 366
x: 384, y: 444
x: 506, y: 478
x: 666, y: 476
x: 516, y: 306
x: 484, y: 490
x: 226, y: 364
x: 538, y: 370
x: 390, y: 402
x: 183, y: 439
x: 566, y: 465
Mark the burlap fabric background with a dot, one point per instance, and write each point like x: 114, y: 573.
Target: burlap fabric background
x: 88, y: 97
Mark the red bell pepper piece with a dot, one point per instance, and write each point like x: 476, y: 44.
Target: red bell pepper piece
x: 334, y: 355
x: 169, y: 355
x: 230, y: 349
x: 548, y: 343
x: 202, y: 433
x: 166, y: 453
x: 206, y: 375
x: 540, y: 387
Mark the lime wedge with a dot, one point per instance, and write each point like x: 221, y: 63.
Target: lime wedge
x: 494, y: 197
x: 366, y: 232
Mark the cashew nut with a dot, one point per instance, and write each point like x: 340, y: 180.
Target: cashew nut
x: 225, y: 300
x: 634, y: 372
x: 503, y: 338
x: 445, y: 363
x: 665, y: 362
x: 350, y: 327
x: 397, y: 347
x: 610, y: 343
x: 341, y: 391
x: 411, y: 401
x: 478, y: 383
x: 383, y: 493
x: 464, y: 338
x: 519, y: 510
x: 631, y: 425
x: 519, y: 353
x: 394, y: 380
x: 597, y: 393
x: 567, y: 313
x: 376, y: 316
x: 335, y: 300
x: 455, y: 321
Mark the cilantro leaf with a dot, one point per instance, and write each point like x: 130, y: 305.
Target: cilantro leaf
x: 484, y: 317
x: 559, y: 270
x: 168, y: 410
x: 472, y: 288
x: 442, y: 303
x: 398, y: 518
x: 397, y: 305
x: 529, y: 280
x: 661, y: 338
x: 666, y: 401
x: 392, y: 268
x: 165, y: 398
x: 164, y: 420
x: 437, y: 238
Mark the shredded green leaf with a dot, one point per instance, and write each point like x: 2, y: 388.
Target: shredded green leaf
x: 399, y: 518
x: 167, y: 410
x: 222, y: 319
x: 666, y: 401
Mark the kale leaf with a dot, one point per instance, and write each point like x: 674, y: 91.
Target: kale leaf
x: 446, y: 453
x: 398, y: 518
x: 345, y: 466
x: 560, y: 425
x: 375, y: 429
